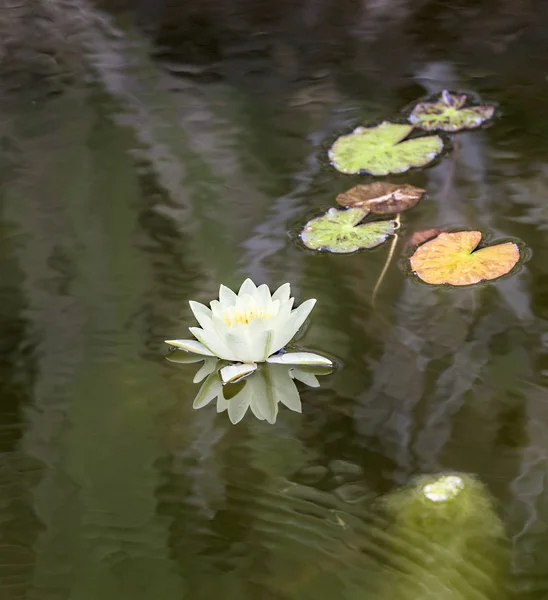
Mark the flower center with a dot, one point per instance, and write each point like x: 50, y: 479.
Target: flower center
x: 233, y: 315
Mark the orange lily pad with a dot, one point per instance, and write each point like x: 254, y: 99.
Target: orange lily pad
x: 450, y: 258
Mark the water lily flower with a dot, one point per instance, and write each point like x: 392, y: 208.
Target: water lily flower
x: 250, y: 327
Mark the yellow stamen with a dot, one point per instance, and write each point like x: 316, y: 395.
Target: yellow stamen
x: 246, y: 315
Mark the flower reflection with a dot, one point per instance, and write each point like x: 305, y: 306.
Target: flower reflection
x: 260, y: 390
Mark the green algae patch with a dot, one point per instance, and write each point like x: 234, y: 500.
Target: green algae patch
x: 447, y: 540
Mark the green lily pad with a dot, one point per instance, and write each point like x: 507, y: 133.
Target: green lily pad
x: 380, y: 150
x: 338, y: 231
x: 449, y: 114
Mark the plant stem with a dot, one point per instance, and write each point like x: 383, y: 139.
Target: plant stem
x: 387, y: 263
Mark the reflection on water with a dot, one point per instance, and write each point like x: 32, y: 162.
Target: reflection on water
x: 261, y: 391
x: 141, y: 167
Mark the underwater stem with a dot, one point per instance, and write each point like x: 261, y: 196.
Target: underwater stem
x: 387, y: 263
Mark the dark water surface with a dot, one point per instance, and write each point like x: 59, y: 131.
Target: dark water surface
x: 181, y: 159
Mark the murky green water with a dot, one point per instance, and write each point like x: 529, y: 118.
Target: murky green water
x: 152, y: 183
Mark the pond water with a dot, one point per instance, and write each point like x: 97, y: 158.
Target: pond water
x: 186, y: 156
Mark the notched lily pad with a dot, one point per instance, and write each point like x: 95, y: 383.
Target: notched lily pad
x: 382, y: 198
x: 449, y: 113
x: 338, y: 231
x: 381, y: 150
x: 450, y: 258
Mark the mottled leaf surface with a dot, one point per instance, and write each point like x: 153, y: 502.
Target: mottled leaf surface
x: 382, y: 198
x: 381, y: 150
x: 449, y: 113
x: 338, y: 231
x: 450, y: 258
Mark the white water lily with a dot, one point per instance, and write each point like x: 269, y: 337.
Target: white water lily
x: 249, y: 327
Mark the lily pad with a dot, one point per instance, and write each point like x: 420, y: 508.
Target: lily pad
x: 382, y: 198
x: 450, y: 258
x: 338, y: 231
x: 450, y: 114
x: 381, y: 150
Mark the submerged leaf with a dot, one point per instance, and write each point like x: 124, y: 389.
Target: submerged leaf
x: 449, y: 258
x: 382, y: 198
x: 338, y: 231
x: 419, y: 237
x: 449, y: 114
x: 380, y: 150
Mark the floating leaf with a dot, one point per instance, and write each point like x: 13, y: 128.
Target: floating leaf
x: 338, y: 231
x: 382, y: 198
x: 380, y: 150
x: 449, y: 114
x: 449, y: 258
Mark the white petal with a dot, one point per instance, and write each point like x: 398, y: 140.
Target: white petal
x: 273, y: 307
x: 283, y: 315
x: 191, y: 346
x: 285, y: 332
x: 232, y: 373
x: 263, y: 295
x: 211, y: 387
x: 237, y: 340
x: 216, y: 309
x: 198, y: 307
x: 258, y: 339
x: 202, y: 313
x: 212, y: 342
x: 241, y: 347
x: 245, y: 301
x: 282, y: 293
x: 248, y: 287
x: 265, y: 344
x: 227, y: 297
x: 299, y: 358
x: 301, y: 313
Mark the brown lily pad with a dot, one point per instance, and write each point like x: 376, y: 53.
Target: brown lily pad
x: 382, y: 198
x: 419, y: 237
